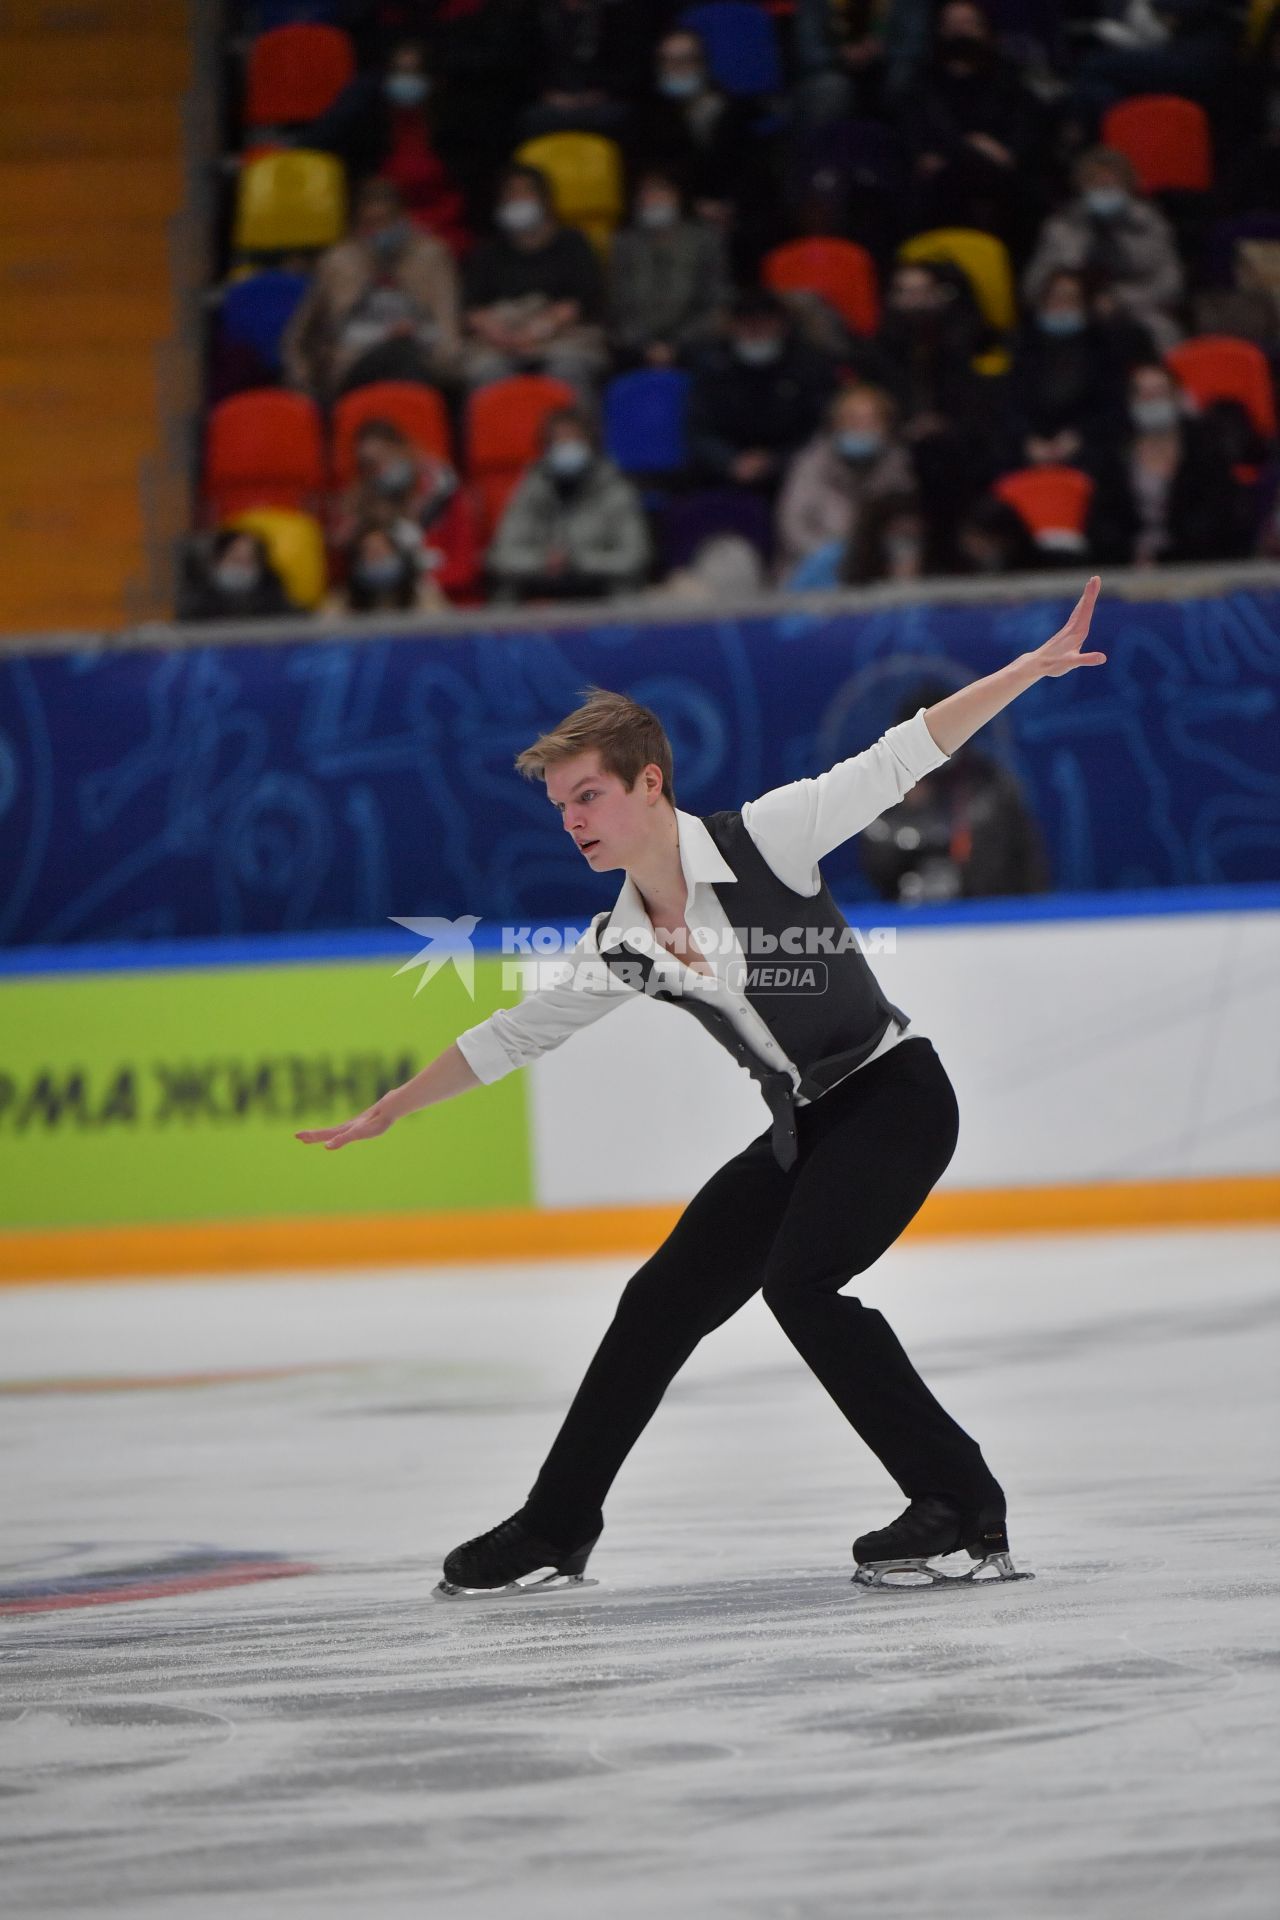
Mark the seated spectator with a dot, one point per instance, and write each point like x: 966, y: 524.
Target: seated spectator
x: 891, y: 543
x: 382, y: 576
x: 574, y: 528
x: 964, y: 832
x: 832, y: 481
x: 418, y: 500
x: 1166, y: 491
x: 690, y: 129
x: 382, y: 305
x: 840, y: 54
x: 231, y: 578
x: 585, y: 57
x: 533, y: 294
x: 1170, y: 46
x: 381, y: 123
x: 668, y: 283
x: 970, y: 124
x: 723, y: 569
x: 1114, y: 233
x: 757, y: 396
x: 991, y: 537
x: 1066, y: 393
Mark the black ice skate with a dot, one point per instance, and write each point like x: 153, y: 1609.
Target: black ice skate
x: 899, y: 1554
x: 512, y: 1559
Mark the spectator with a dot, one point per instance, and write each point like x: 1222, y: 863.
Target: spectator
x: 533, y: 293
x: 1171, y: 46
x: 382, y: 123
x: 668, y: 284
x: 231, y: 578
x: 708, y: 142
x: 970, y: 125
x: 964, y: 831
x: 382, y: 305
x: 1114, y: 233
x: 1167, y: 490
x: 1067, y: 387
x: 892, y: 543
x: 480, y: 53
x: 574, y: 527
x: 585, y: 58
x: 724, y: 569
x: 416, y: 498
x: 833, y: 480
x: 993, y: 538
x: 757, y: 396
x: 381, y: 577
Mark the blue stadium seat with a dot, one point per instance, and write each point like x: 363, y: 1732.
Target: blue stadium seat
x: 644, y: 420
x: 690, y: 519
x: 256, y: 311
x: 295, y: 13
x: 742, y: 46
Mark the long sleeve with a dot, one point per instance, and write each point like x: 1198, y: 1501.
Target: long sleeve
x: 580, y: 991
x: 797, y: 825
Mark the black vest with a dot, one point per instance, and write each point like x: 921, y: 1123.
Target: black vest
x: 827, y: 1013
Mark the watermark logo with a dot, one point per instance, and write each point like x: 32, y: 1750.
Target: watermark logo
x: 449, y: 943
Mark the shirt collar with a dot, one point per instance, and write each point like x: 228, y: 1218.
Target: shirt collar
x: 702, y: 864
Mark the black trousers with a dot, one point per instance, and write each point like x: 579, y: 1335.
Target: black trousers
x: 868, y: 1153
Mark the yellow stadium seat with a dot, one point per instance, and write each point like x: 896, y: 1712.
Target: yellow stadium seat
x: 585, y: 172
x: 1260, y: 12
x: 295, y: 543
x: 982, y: 258
x: 288, y: 200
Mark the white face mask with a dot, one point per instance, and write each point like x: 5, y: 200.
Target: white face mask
x: 406, y: 89
x: 1106, y: 202
x: 679, y: 86
x: 758, y: 352
x: 568, y: 458
x: 520, y: 216
x: 236, y: 576
x: 1153, y: 416
x: 659, y: 213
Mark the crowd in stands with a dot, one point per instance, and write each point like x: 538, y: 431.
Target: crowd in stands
x: 551, y: 300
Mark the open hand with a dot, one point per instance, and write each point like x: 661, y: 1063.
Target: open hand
x: 366, y: 1126
x: 1060, y: 654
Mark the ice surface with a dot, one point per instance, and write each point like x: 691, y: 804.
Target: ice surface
x: 725, y: 1725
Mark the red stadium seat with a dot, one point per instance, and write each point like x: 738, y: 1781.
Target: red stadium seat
x: 418, y: 411
x: 504, y: 420
x: 295, y: 73
x: 844, y: 275
x: 1051, y: 500
x: 1166, y: 138
x: 1215, y: 366
x: 263, y: 449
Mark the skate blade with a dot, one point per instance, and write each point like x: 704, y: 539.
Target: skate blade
x: 918, y: 1573
x: 537, y: 1582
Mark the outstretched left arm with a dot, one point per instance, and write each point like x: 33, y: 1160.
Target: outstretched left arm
x: 957, y: 718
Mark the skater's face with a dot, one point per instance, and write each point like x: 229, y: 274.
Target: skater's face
x: 610, y: 826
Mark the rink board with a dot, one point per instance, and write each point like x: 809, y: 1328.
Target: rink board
x: 1116, y: 1063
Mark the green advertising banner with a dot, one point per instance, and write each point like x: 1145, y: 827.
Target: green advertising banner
x: 173, y: 1095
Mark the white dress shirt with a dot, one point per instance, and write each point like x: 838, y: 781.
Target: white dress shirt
x: 794, y: 827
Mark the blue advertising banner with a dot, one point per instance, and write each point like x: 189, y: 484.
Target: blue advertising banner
x: 328, y: 782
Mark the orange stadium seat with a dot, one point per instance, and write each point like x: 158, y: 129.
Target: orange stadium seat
x: 1216, y: 366
x: 503, y: 423
x: 262, y: 449
x: 1166, y: 139
x: 843, y: 274
x: 1053, y: 501
x: 295, y: 73
x: 419, y: 412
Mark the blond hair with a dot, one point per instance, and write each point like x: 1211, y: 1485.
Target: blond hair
x: 628, y: 736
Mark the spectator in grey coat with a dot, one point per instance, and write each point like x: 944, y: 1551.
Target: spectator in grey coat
x: 574, y: 528
x: 856, y: 460
x: 1111, y: 232
x: 668, y: 276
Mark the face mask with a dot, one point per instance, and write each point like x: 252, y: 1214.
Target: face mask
x: 757, y: 353
x: 396, y: 477
x: 406, y: 89
x: 391, y: 241
x: 520, y: 216
x: 237, y: 576
x: 378, y: 575
x: 902, y: 550
x: 859, y: 443
x: 679, y: 86
x: 1154, y: 416
x: 568, y: 458
x: 659, y: 213
x: 1104, y: 203
x: 1061, y: 322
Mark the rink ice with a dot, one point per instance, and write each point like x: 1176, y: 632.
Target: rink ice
x: 725, y: 1725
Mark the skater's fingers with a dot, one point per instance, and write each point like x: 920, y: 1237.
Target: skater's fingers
x: 311, y: 1134
x: 1082, y: 612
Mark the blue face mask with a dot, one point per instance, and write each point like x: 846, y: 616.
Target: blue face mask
x: 390, y: 242
x: 858, y: 444
x: 1061, y: 322
x: 406, y: 89
x: 568, y: 458
x: 379, y: 575
x: 1106, y: 203
x: 679, y: 86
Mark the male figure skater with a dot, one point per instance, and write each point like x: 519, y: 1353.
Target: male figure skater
x: 864, y: 1119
